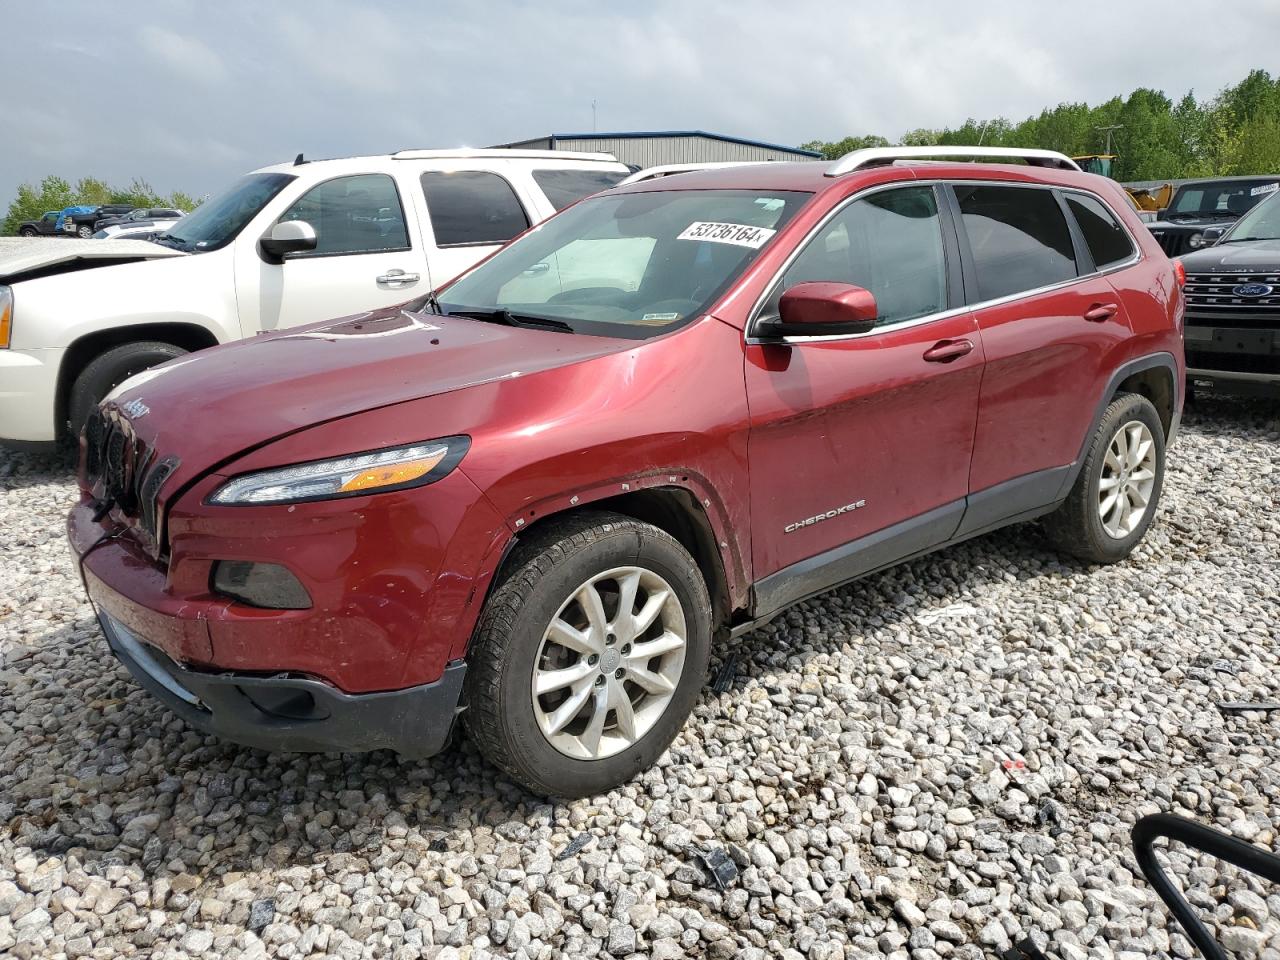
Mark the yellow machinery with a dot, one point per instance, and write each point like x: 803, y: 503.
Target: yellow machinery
x: 1148, y: 199
x: 1096, y: 163
x: 1152, y: 198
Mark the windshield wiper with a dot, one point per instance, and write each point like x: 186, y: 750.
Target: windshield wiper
x: 169, y: 240
x: 505, y: 317
x: 1247, y: 239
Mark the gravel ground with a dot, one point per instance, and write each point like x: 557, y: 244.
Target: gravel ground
x: 938, y: 761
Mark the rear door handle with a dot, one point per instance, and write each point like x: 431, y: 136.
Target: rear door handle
x: 398, y: 277
x: 1100, y: 312
x: 944, y: 351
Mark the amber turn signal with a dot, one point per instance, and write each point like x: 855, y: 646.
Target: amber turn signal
x: 393, y: 474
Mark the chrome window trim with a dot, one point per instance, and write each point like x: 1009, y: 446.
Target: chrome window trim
x: 753, y: 316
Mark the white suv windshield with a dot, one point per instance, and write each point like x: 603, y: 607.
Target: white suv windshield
x: 216, y: 222
x: 628, y: 265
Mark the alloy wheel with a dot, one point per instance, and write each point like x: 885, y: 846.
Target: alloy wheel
x: 609, y: 663
x: 1128, y: 478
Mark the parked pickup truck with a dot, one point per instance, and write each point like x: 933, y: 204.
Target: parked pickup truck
x: 285, y: 245
x: 77, y: 221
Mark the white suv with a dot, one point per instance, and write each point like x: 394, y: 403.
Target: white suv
x: 285, y: 245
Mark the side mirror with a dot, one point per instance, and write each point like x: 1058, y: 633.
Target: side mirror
x: 824, y: 309
x: 1211, y: 235
x: 292, y: 236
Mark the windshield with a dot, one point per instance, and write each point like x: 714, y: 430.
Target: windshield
x: 563, y: 187
x: 628, y: 265
x: 1260, y: 223
x: 216, y: 222
x: 1228, y: 199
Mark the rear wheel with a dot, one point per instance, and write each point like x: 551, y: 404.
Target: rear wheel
x: 1118, y: 489
x: 589, y: 657
x: 110, y: 369
x: 27, y: 232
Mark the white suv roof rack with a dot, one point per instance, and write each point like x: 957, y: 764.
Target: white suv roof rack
x: 882, y: 156
x: 502, y: 152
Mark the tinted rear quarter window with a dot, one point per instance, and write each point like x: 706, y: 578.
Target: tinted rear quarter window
x: 472, y: 207
x: 1107, y: 241
x: 563, y: 187
x: 1018, y: 236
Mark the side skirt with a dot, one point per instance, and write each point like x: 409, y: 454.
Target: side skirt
x: 1014, y: 501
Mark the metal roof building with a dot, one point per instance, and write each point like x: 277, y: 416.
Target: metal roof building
x: 648, y: 149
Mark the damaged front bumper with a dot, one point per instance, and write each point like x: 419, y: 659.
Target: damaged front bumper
x: 289, y: 713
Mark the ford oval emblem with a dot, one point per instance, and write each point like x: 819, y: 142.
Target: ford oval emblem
x: 1252, y: 289
x: 136, y: 408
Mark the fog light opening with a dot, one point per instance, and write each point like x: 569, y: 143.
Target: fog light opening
x: 266, y: 585
x: 285, y: 703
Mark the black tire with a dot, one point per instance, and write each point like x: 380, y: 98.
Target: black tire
x: 543, y: 574
x: 1076, y: 527
x: 84, y: 231
x: 107, y: 371
x: 27, y: 232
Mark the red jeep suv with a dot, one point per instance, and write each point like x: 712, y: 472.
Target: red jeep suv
x: 535, y: 499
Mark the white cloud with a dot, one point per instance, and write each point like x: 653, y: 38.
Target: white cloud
x: 186, y: 54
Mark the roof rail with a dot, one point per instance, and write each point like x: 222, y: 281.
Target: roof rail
x: 882, y: 156
x: 505, y: 153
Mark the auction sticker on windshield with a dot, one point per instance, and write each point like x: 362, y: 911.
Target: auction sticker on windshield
x: 1265, y: 188
x: 738, y: 234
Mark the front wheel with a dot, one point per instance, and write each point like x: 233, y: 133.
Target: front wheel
x: 107, y: 371
x: 84, y: 231
x: 1118, y: 489
x: 589, y: 656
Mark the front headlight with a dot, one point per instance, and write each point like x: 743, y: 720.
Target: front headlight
x: 6, y: 316
x: 1196, y: 241
x: 377, y: 471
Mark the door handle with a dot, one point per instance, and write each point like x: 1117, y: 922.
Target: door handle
x: 1100, y: 312
x: 537, y: 270
x: 397, y: 277
x: 944, y: 351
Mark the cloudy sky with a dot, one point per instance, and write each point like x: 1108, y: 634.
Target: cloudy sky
x: 187, y: 94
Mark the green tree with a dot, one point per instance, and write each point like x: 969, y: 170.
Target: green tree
x: 921, y: 137
x: 1157, y: 139
x: 838, y: 148
x: 55, y: 193
x: 1259, y: 150
x: 31, y: 204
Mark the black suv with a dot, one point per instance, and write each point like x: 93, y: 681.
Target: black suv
x: 1199, y: 205
x: 1233, y: 307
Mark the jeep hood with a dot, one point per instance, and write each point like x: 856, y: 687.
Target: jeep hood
x: 1247, y: 256
x: 21, y: 258
x: 215, y: 404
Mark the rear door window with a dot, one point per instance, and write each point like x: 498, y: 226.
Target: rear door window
x: 1108, y: 242
x: 472, y: 207
x: 359, y: 214
x: 1018, y: 237
x: 563, y: 187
